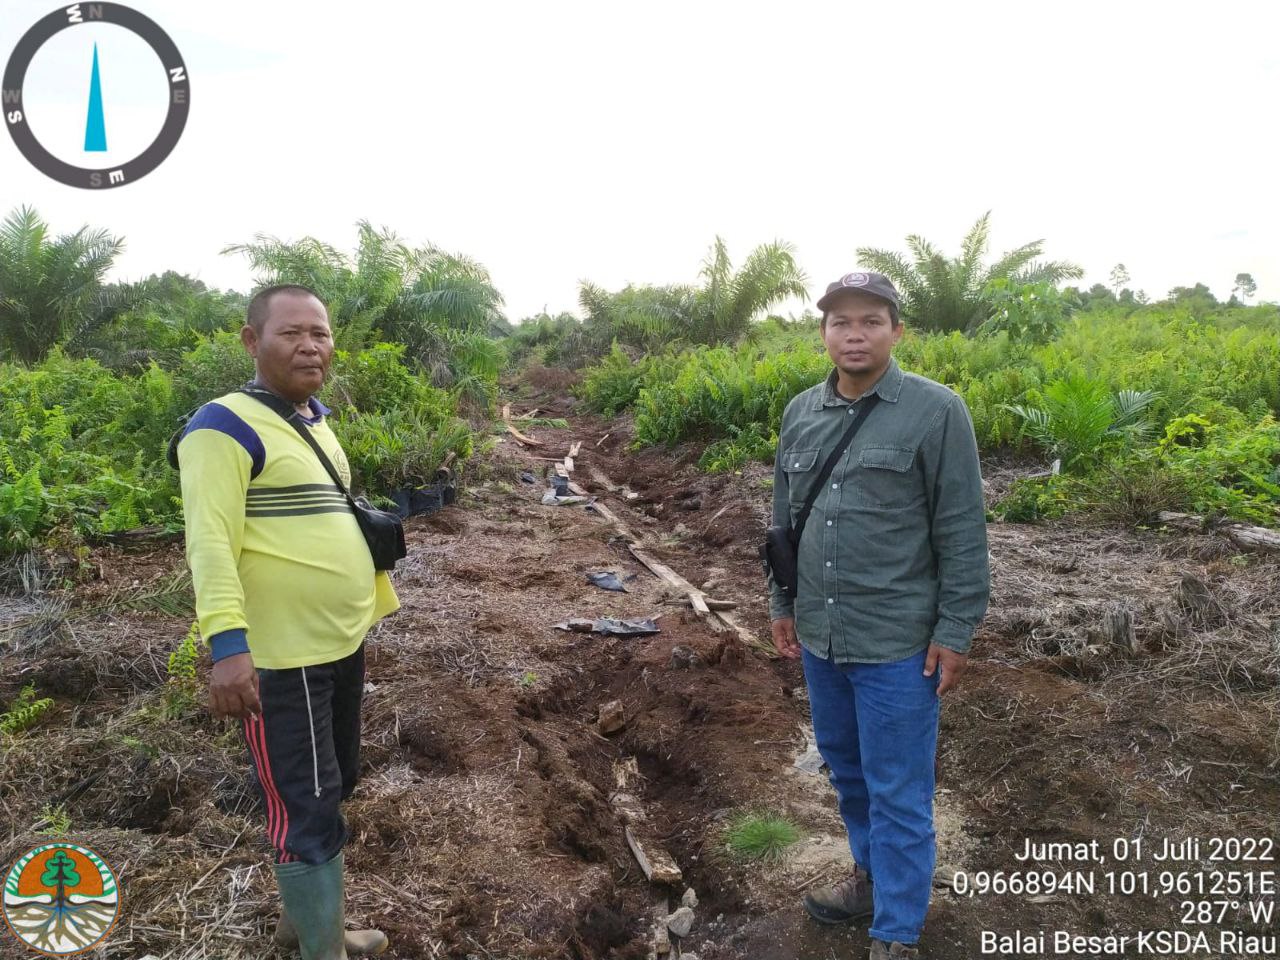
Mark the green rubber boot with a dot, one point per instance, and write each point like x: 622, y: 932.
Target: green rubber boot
x: 360, y: 943
x: 313, y: 900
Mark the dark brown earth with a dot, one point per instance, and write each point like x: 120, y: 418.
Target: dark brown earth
x: 483, y: 825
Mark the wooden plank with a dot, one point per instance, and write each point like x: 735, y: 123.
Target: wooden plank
x: 655, y: 862
x: 598, y: 477
x: 506, y: 419
x: 711, y: 603
x: 527, y: 441
x: 568, y: 464
x: 1255, y: 538
x: 573, y: 450
x: 667, y: 575
x: 601, y: 509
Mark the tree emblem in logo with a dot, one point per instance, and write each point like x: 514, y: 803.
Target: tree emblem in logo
x: 177, y: 93
x: 61, y: 899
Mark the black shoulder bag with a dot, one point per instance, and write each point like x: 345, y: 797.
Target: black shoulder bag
x: 782, y: 544
x: 383, y: 531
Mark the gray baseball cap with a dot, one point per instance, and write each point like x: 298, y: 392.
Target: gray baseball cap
x: 876, y: 284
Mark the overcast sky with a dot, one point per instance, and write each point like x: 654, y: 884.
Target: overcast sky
x: 556, y: 142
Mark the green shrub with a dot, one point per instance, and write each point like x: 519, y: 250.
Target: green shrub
x: 1229, y: 465
x: 217, y: 366
x: 377, y: 379
x: 743, y: 447
x: 1079, y: 420
x: 400, y: 448
x: 614, y: 384
x: 82, y: 448
x: 1131, y: 490
x: 1032, y: 498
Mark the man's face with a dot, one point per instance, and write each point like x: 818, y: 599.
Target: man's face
x: 293, y: 351
x: 859, y: 333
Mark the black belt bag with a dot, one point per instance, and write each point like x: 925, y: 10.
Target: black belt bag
x: 383, y: 531
x: 781, y: 545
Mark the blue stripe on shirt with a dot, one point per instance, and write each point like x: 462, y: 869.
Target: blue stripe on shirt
x: 214, y: 416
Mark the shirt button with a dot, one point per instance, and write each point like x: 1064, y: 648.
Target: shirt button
x: 828, y: 523
x: 835, y: 486
x: 830, y: 600
x: 797, y: 464
x: 828, y: 563
x: 851, y: 410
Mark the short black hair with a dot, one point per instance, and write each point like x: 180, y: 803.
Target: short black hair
x: 260, y: 303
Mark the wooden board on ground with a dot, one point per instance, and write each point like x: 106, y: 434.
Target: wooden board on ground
x: 655, y: 862
x: 506, y: 419
x: 661, y: 935
x: 1256, y: 538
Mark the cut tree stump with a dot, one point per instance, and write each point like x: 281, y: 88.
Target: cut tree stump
x: 1117, y: 628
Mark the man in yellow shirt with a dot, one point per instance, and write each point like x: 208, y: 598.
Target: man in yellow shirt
x: 285, y: 592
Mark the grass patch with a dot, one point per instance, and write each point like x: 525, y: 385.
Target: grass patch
x: 760, y: 836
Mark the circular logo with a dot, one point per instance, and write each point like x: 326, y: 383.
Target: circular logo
x: 177, y: 89
x: 61, y: 899
x: 855, y: 279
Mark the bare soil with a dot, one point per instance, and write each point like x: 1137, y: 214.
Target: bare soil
x: 483, y: 825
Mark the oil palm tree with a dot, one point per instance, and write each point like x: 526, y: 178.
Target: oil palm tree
x: 51, y: 288
x: 950, y: 293
x: 719, y: 311
x: 729, y: 301
x: 416, y: 296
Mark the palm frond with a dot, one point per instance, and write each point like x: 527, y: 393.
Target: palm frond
x: 1011, y: 262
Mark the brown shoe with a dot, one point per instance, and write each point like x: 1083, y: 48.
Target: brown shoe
x: 886, y: 951
x: 850, y: 899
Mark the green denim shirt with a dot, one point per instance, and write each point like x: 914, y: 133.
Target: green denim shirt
x: 894, y: 554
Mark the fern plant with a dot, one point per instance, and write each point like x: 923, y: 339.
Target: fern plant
x: 25, y: 711
x: 181, y: 687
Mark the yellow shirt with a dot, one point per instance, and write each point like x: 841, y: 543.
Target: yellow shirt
x: 276, y: 555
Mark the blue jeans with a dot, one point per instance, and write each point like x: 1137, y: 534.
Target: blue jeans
x: 877, y: 729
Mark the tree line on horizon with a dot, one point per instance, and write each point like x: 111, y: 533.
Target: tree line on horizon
x: 445, y: 308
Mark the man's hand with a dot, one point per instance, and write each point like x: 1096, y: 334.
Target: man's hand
x: 784, y: 638
x: 233, y: 690
x: 953, y: 666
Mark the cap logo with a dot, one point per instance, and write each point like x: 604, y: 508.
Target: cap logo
x: 855, y: 279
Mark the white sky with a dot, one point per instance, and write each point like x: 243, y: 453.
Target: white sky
x: 558, y: 141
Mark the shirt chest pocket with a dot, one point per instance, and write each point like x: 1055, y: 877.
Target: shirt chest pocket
x: 801, y: 468
x: 884, y: 477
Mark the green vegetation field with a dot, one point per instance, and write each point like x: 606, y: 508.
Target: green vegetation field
x: 1145, y: 406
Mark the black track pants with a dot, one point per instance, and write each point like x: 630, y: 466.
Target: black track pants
x: 307, y: 760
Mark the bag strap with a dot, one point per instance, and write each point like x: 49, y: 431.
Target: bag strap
x: 294, y: 418
x: 868, y: 404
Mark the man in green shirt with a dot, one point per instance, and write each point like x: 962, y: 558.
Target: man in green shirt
x: 893, y: 579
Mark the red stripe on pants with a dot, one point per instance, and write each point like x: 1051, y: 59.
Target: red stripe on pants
x: 255, y: 734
